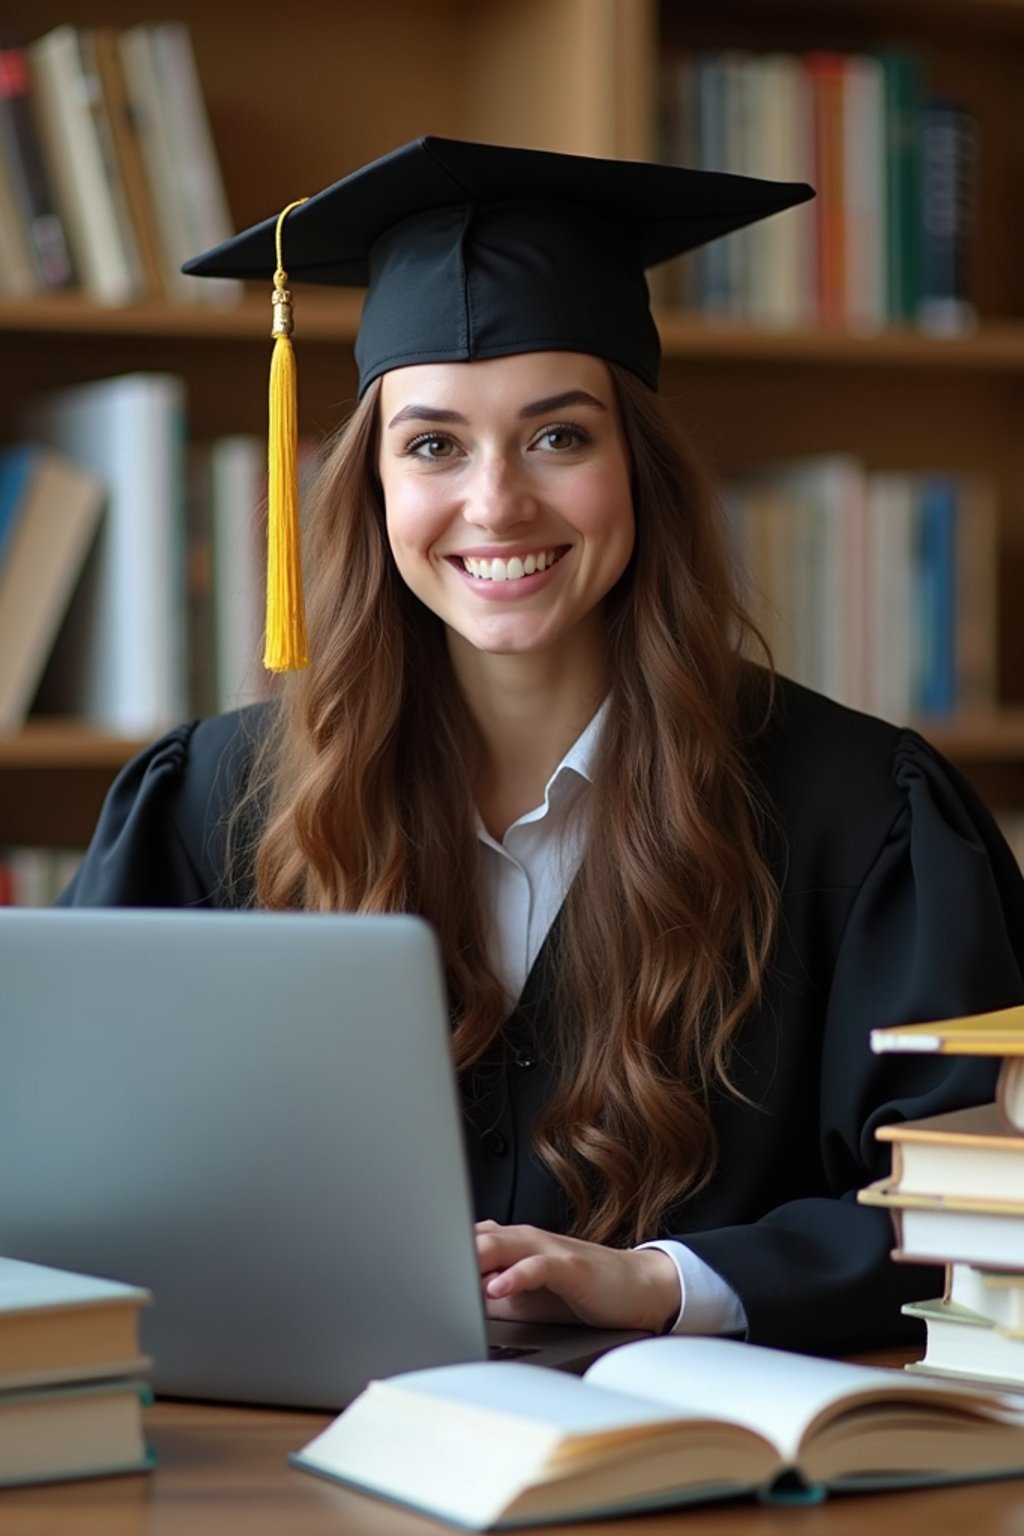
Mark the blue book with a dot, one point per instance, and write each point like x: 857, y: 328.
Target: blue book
x: 937, y: 594
x: 15, y: 472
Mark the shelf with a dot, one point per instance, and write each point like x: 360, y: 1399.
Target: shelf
x: 46, y: 744
x: 328, y: 317
x: 995, y: 347
x: 997, y: 736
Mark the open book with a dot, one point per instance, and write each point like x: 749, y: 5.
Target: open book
x: 656, y: 1423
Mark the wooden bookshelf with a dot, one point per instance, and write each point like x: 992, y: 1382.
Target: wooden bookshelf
x: 297, y: 102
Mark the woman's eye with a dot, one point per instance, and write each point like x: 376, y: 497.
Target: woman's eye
x: 432, y: 447
x: 558, y: 439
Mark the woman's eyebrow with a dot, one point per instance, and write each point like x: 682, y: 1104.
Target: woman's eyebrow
x: 557, y: 402
x: 435, y: 413
x: 428, y: 413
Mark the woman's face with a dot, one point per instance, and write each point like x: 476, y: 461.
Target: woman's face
x: 507, y: 490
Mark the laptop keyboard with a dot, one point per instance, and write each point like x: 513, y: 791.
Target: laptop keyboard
x: 510, y: 1351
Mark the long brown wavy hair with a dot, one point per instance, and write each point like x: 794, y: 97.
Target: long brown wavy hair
x: 364, y: 792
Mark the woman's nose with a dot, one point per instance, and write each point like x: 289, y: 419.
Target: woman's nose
x: 501, y: 495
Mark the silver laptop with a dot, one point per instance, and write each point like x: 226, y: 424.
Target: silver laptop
x: 253, y: 1115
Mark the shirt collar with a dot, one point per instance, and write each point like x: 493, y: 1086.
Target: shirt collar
x: 575, y: 770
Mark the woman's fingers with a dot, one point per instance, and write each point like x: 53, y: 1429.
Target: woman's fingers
x: 606, y: 1287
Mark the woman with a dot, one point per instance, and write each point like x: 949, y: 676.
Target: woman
x: 673, y: 896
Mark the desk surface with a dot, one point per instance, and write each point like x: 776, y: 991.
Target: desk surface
x: 224, y: 1470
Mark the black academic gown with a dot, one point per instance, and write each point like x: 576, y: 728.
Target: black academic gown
x: 900, y: 902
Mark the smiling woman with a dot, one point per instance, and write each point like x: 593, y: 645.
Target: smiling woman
x: 674, y: 893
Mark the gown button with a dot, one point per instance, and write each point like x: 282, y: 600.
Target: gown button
x: 524, y: 1058
x: 493, y: 1146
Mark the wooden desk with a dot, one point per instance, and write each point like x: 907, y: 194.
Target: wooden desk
x: 224, y: 1471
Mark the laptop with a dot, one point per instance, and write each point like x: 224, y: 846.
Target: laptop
x: 253, y: 1115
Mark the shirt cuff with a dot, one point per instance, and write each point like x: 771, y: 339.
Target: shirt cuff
x: 709, y: 1303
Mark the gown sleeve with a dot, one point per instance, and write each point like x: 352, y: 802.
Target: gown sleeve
x: 160, y: 838
x: 935, y: 929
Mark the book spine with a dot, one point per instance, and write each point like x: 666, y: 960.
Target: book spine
x: 903, y: 96
x: 712, y: 262
x: 977, y: 594
x: 937, y: 586
x: 66, y: 92
x: 949, y: 172
x: 124, y: 147
x: 826, y: 72
x: 17, y: 265
x: 201, y: 195
x: 863, y: 131
x: 22, y: 147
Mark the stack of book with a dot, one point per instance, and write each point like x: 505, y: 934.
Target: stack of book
x: 71, y: 1387
x: 889, y: 235
x: 109, y: 176
x: 956, y: 1196
x: 878, y: 589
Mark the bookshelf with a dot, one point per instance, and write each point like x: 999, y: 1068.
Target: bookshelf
x: 296, y: 103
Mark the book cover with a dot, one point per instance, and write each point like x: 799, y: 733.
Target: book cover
x: 21, y: 147
x: 964, y: 1152
x: 238, y: 474
x: 57, y: 1326
x: 90, y: 1430
x: 954, y: 1229
x: 784, y: 273
x: 1000, y: 1033
x: 864, y: 224
x: 935, y: 692
x: 976, y: 599
x: 121, y: 662
x: 201, y: 196
x: 53, y: 521
x: 18, y: 276
x: 153, y: 133
x: 106, y: 52
x: 997, y: 1295
x: 904, y: 92
x: 891, y: 631
x: 949, y: 189
x: 82, y: 162
x: 963, y: 1345
x: 826, y: 73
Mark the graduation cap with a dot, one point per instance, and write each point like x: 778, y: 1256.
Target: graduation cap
x: 472, y: 251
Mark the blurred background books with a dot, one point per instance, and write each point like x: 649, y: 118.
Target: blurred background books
x: 109, y: 177
x: 895, y: 165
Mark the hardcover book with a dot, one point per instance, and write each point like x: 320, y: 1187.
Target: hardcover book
x: 657, y: 1423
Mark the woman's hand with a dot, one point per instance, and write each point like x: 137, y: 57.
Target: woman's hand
x: 530, y: 1275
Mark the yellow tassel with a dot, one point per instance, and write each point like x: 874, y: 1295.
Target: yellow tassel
x: 286, y: 647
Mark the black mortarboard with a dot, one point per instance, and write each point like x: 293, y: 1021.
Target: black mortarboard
x: 478, y: 250
x: 472, y: 251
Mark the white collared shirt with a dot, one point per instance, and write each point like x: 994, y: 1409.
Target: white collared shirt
x: 524, y: 880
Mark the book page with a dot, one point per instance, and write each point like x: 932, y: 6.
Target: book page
x: 775, y: 1393
x: 25, y: 1286
x: 534, y: 1394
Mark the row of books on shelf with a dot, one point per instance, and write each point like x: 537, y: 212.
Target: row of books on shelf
x: 35, y: 877
x: 72, y: 1376
x: 131, y: 563
x: 879, y: 589
x: 956, y: 1197
x: 895, y: 167
x: 109, y: 176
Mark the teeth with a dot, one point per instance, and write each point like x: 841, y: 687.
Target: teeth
x: 512, y: 569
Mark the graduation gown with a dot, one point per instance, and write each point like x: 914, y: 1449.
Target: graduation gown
x: 900, y: 902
